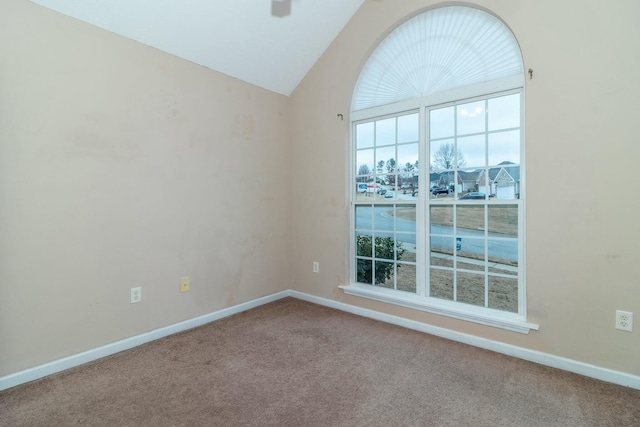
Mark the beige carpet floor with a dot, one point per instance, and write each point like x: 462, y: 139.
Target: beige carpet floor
x: 292, y: 363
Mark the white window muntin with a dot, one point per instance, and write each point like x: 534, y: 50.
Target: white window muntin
x: 519, y: 203
x: 367, y: 203
x: 514, y: 321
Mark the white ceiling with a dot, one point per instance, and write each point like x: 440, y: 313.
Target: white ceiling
x: 236, y: 37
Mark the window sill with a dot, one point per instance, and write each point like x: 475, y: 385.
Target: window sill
x: 483, y: 316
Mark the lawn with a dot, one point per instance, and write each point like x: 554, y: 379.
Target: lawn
x: 502, y: 219
x: 502, y: 293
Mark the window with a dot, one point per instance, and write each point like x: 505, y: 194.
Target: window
x: 385, y: 211
x: 437, y: 169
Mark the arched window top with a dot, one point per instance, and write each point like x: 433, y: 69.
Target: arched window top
x: 436, y: 51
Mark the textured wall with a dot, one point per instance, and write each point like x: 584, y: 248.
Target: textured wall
x: 122, y: 166
x: 581, y: 153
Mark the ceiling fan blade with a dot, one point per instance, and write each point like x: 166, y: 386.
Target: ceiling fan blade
x: 280, y: 8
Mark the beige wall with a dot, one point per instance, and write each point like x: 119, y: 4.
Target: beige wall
x: 582, y: 233
x: 122, y: 166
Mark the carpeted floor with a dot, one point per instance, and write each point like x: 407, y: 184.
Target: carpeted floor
x: 292, y: 363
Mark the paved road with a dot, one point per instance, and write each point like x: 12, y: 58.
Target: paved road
x: 500, y: 246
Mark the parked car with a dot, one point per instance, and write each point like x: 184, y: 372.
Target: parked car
x: 381, y: 191
x: 441, y: 190
x: 474, y: 195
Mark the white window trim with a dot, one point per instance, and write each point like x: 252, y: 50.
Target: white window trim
x: 516, y: 322
x: 484, y: 316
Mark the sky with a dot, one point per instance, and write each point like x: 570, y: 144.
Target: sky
x: 485, y: 132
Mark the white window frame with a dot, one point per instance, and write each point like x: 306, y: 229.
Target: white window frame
x: 420, y: 301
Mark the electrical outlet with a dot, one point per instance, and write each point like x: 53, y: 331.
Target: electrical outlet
x: 136, y: 295
x: 184, y: 284
x: 624, y: 320
x: 316, y: 266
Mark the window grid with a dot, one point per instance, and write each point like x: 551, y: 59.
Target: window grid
x: 385, y: 242
x: 491, y: 179
x: 459, y: 272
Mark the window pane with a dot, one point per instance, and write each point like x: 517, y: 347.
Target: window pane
x: 469, y: 263
x: 503, y: 219
x: 375, y: 189
x: 504, y: 147
x: 468, y: 183
x: 408, y: 187
x: 386, y: 132
x: 470, y: 220
x: 387, y: 156
x: 406, y: 248
x: 364, y: 135
x: 383, y: 220
x: 441, y: 123
x: 441, y: 251
x: 406, y: 218
x: 384, y: 247
x: 408, y: 127
x: 361, y: 188
x: 503, y: 293
x: 406, y: 277
x: 470, y: 250
x: 385, y: 274
x: 503, y: 256
x: 364, y: 162
x: 504, y: 112
x: 442, y: 220
x: 443, y: 155
x: 364, y: 219
x: 444, y: 188
x: 386, y: 192
x: 471, y: 118
x: 506, y: 183
x: 470, y: 288
x: 441, y: 284
x: 471, y: 151
x: 406, y: 232
x: 364, y: 244
x: 364, y: 271
x: 408, y: 158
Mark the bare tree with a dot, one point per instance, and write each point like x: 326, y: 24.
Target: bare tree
x: 446, y: 157
x: 364, y: 169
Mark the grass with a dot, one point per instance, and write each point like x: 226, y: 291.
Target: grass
x: 470, y: 287
x: 502, y: 219
x: 502, y: 292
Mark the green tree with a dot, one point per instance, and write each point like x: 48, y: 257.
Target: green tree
x: 384, y: 247
x: 391, y: 165
x: 391, y: 168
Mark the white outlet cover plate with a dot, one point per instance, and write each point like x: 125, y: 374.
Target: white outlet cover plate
x: 624, y: 320
x: 136, y: 295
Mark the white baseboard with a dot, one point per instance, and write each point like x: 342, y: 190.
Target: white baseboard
x: 41, y: 371
x: 570, y: 365
x: 546, y: 359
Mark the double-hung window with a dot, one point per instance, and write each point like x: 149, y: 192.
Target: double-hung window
x: 437, y: 170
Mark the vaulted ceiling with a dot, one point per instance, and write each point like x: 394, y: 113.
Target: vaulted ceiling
x: 240, y: 38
